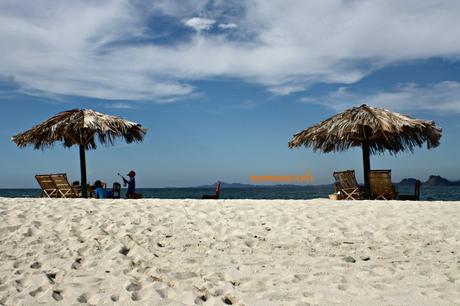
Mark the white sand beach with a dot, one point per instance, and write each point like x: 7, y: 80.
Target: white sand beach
x: 239, y: 252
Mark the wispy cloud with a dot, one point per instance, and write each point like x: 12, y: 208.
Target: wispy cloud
x: 119, y: 105
x: 282, y: 90
x: 199, y: 24
x: 439, y: 97
x: 226, y: 26
x: 74, y: 47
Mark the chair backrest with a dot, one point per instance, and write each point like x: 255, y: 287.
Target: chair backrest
x: 380, y: 183
x: 337, y: 187
x: 346, y: 179
x: 63, y: 186
x: 47, y: 185
x: 116, y: 190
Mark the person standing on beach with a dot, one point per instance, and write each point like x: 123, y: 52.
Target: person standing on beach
x: 131, y: 194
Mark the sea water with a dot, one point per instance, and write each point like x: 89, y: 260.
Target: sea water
x: 450, y: 193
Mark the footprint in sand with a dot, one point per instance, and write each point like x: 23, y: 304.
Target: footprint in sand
x: 163, y: 293
x: 18, y: 285
x: 114, y: 298
x: 51, y: 277
x: 249, y: 243
x: 76, y: 264
x: 13, y: 228
x: 29, y: 232
x: 57, y: 295
x: 135, y: 296
x: 201, y: 299
x: 83, y: 298
x: 124, y: 250
x: 133, y: 287
x: 18, y: 272
x: 299, y: 277
x: 33, y: 293
x: 229, y: 300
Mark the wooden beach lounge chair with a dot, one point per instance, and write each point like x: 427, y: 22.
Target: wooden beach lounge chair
x: 412, y: 197
x: 63, y: 186
x: 55, y: 186
x: 381, y: 186
x: 346, y: 184
x: 49, y: 189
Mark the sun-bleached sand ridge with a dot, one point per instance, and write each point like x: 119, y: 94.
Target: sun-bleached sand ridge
x: 235, y: 252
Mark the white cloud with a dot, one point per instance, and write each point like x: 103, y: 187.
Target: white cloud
x: 119, y: 105
x: 226, y: 26
x: 440, y: 97
x: 85, y: 48
x: 178, y: 8
x: 199, y: 24
x: 283, y: 90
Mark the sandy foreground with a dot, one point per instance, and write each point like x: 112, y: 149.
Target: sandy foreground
x: 240, y: 252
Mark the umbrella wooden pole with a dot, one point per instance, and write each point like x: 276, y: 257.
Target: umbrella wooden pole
x: 367, y: 168
x: 84, y: 188
x: 366, y: 165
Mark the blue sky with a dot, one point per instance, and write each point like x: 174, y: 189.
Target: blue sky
x: 223, y: 85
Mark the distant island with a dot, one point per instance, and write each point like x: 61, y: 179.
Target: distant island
x: 240, y: 185
x: 433, y: 180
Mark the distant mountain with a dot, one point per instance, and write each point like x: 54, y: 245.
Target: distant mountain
x: 437, y: 180
x: 227, y: 185
x: 407, y: 181
x: 239, y: 185
x: 433, y: 180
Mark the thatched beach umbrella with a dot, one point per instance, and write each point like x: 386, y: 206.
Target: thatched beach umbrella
x: 373, y: 129
x: 81, y: 128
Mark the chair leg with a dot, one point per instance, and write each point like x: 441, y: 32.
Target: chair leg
x: 49, y: 194
x: 351, y: 195
x: 64, y: 195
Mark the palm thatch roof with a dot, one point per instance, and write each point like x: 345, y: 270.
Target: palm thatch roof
x: 384, y: 130
x: 80, y: 127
